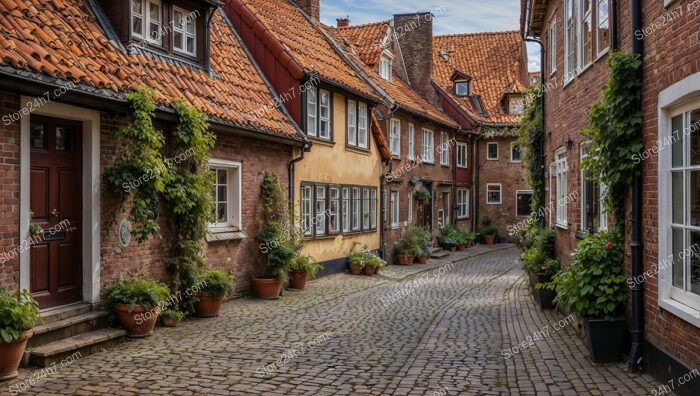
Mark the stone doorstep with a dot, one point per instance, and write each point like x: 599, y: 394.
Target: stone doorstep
x: 438, y: 254
x: 69, y: 327
x: 85, y: 343
x: 55, y: 314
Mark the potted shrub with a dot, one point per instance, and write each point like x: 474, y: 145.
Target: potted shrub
x: 489, y: 234
x: 425, y: 239
x: 470, y: 237
x: 540, y: 265
x: 17, y: 317
x: 275, y: 227
x: 373, y: 264
x: 136, y: 303
x: 449, y: 237
x: 356, y: 263
x: 213, y: 287
x: 405, y: 252
x: 171, y: 317
x: 302, y: 269
x: 593, y: 288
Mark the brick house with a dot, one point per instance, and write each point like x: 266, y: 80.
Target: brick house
x: 574, y: 69
x: 339, y: 179
x: 480, y: 81
x: 64, y: 76
x: 422, y: 138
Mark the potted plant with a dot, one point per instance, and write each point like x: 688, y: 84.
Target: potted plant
x: 136, y: 304
x: 356, y: 263
x: 373, y: 264
x: 405, y: 252
x: 213, y: 287
x: 593, y: 288
x: 171, y: 317
x: 470, y: 237
x: 448, y: 238
x: 489, y: 234
x: 425, y: 239
x: 302, y: 269
x: 275, y: 227
x: 17, y: 317
x: 422, y: 197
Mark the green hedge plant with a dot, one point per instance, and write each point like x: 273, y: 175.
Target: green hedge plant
x: 307, y: 265
x: 17, y: 315
x: 147, y: 293
x: 216, y: 282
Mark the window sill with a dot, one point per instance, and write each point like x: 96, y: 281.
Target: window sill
x: 358, y: 150
x: 580, y: 235
x: 562, y: 226
x: 494, y: 203
x: 516, y: 162
x: 463, y: 218
x: 323, y: 142
x: 491, y: 159
x: 225, y: 234
x: 688, y: 314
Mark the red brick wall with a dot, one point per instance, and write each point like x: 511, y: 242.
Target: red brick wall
x: 511, y: 175
x: 9, y: 201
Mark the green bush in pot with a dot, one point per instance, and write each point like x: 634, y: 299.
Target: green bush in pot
x: 213, y: 286
x: 136, y: 303
x: 17, y: 317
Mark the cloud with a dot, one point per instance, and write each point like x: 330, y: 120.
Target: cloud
x: 464, y: 16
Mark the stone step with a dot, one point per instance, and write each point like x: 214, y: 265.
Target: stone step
x: 51, y: 315
x: 69, y: 327
x: 438, y: 253
x: 76, y: 347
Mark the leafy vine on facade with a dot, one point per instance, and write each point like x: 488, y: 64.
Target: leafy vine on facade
x: 531, y: 135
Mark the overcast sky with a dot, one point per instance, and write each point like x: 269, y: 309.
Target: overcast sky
x: 456, y: 16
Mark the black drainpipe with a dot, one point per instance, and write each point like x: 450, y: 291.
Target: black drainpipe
x: 382, y: 208
x: 291, y: 176
x: 635, y: 359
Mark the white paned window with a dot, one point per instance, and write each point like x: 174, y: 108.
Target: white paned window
x: 320, y: 210
x: 356, y: 209
x: 363, y: 126
x: 492, y: 151
x: 562, y: 187
x: 226, y: 194
x: 373, y: 209
x: 365, y: 209
x: 428, y: 146
x: 462, y: 155
x: 603, y: 26
x: 553, y: 47
x: 347, y: 212
x: 146, y: 20
x: 585, y: 31
x: 184, y: 32
x: 494, y: 193
x: 411, y: 142
x: 385, y: 67
x: 444, y: 149
x: 306, y: 209
x: 462, y: 203
x: 324, y: 129
x: 516, y: 153
x: 409, y: 204
x: 569, y: 39
x: 395, y: 138
x: 311, y: 112
x: 334, y: 210
x: 394, y: 209
x: 352, y: 123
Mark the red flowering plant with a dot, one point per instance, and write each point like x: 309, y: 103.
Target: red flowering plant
x: 594, y: 285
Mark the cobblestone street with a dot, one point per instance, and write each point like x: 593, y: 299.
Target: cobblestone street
x: 436, y: 329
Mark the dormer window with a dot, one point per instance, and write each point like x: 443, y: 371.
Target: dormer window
x: 184, y: 32
x: 385, y: 65
x: 516, y: 105
x: 463, y: 88
x: 146, y: 20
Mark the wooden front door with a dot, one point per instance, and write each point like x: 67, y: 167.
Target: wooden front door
x: 56, y: 205
x: 425, y: 212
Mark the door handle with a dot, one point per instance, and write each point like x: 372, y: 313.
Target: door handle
x: 55, y: 213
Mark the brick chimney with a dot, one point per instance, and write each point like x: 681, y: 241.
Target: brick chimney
x: 312, y: 8
x: 343, y: 22
x: 415, y: 35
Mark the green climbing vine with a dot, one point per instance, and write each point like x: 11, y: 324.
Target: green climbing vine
x: 188, y: 195
x: 139, y: 173
x: 614, y: 132
x: 531, y: 134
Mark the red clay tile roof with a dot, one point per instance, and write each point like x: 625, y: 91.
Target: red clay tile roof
x: 493, y: 60
x: 305, y: 42
x: 368, y: 40
x: 61, y: 38
x: 400, y: 92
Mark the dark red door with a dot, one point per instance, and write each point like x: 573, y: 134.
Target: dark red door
x: 56, y: 205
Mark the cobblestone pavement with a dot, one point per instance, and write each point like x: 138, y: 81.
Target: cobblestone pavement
x: 436, y: 329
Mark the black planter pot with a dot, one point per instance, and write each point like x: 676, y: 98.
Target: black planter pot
x: 543, y: 297
x: 605, y: 339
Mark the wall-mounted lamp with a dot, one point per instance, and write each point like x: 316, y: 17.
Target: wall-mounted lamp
x: 569, y: 144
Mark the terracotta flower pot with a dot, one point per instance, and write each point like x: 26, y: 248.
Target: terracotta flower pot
x: 138, y: 323
x: 461, y: 248
x: 170, y: 322
x: 267, y: 288
x: 489, y: 239
x: 208, y: 306
x: 11, y: 355
x: 355, y: 269
x: 297, y: 280
x: 405, y: 259
x: 422, y: 259
x: 369, y: 271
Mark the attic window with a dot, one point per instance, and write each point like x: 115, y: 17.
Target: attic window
x: 184, y: 32
x: 385, y: 66
x: 477, y: 105
x: 516, y: 105
x: 146, y: 20
x: 463, y: 88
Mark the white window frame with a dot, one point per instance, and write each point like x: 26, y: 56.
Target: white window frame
x: 410, y: 207
x: 411, y: 142
x: 395, y: 137
x: 307, y: 209
x: 356, y: 205
x: 561, y: 168
x: 334, y: 210
x: 463, y: 83
x: 602, y: 189
x: 312, y: 112
x: 146, y: 21
x: 516, y: 105
x: 518, y: 193
x: 462, y: 203
x: 363, y: 125
x: 553, y: 47
x: 581, y: 43
x: 488, y: 152
x: 320, y: 209
x: 428, y: 146
x: 352, y: 135
x: 185, y: 34
x: 386, y: 65
x: 366, y: 206
x: 234, y: 191
x: 462, y: 155
x: 441, y: 218
x: 570, y: 33
x: 672, y: 102
x: 500, y: 194
x: 346, y: 209
x: 601, y: 50
x: 512, y: 159
x: 394, y: 209
x: 321, y: 118
x: 444, y: 149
